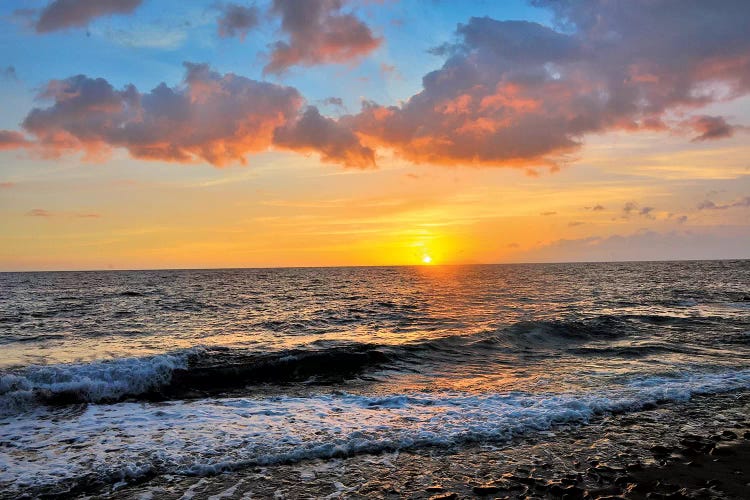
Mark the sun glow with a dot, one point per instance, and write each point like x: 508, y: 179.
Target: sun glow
x: 426, y: 259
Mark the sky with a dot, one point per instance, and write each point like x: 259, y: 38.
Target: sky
x: 140, y: 134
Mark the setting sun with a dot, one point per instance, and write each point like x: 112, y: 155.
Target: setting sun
x: 426, y: 259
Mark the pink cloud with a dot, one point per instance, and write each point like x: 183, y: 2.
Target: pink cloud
x: 710, y: 127
x: 10, y: 139
x: 516, y: 93
x: 219, y: 119
x: 335, y: 143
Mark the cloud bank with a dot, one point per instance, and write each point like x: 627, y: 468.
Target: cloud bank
x: 510, y: 93
x: 519, y: 93
x: 211, y: 117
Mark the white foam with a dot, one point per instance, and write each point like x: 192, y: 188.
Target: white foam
x: 92, y: 382
x: 124, y: 440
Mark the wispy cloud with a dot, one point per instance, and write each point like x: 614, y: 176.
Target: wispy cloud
x: 710, y: 205
x: 39, y: 212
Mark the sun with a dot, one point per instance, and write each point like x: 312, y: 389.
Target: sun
x: 426, y: 259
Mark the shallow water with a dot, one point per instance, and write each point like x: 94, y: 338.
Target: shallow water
x: 114, y: 376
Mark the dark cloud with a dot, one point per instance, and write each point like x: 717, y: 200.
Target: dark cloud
x: 548, y: 213
x: 64, y: 14
x: 315, y: 133
x: 517, y: 93
x: 595, y: 208
x: 710, y: 205
x: 575, y: 223
x: 710, y: 127
x: 236, y: 20
x: 318, y: 32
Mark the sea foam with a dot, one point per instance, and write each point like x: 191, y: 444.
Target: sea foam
x: 127, y: 440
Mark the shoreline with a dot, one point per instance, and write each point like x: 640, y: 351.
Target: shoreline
x: 694, y: 449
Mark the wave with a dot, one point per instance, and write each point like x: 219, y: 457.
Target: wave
x: 204, y: 371
x: 211, y: 436
x: 88, y: 382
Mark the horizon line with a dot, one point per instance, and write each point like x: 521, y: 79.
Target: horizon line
x: 634, y: 261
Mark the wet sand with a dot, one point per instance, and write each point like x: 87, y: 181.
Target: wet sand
x: 696, y: 449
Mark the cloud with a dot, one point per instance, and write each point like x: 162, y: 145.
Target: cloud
x: 8, y: 73
x: 710, y: 205
x: 517, y: 93
x: 548, y: 213
x: 318, y: 33
x: 336, y: 102
x: 595, y: 208
x: 510, y: 93
x: 39, y: 212
x: 151, y: 36
x: 710, y: 127
x: 10, y: 139
x: 315, y: 133
x: 7, y: 185
x: 632, y: 208
x: 236, y: 20
x: 716, y: 243
x: 64, y: 14
x: 575, y: 223
x: 210, y: 117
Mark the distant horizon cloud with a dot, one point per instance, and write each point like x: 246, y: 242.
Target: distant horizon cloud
x: 710, y: 205
x: 644, y: 245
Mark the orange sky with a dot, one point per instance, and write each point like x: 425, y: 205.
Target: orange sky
x: 372, y: 136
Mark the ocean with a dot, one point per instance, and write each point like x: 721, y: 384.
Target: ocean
x: 133, y: 380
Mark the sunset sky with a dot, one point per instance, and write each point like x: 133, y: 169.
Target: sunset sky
x: 168, y: 134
